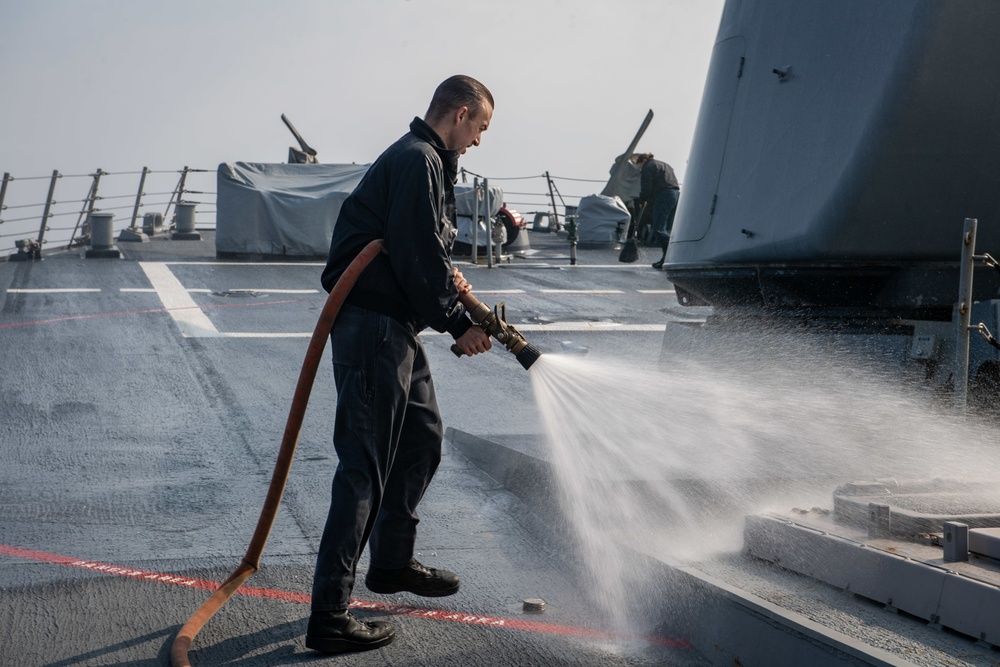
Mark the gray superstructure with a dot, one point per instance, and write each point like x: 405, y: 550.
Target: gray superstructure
x: 838, y: 149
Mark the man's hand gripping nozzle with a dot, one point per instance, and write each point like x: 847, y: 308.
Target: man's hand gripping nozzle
x: 494, y: 323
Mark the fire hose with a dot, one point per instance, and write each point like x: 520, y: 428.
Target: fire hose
x: 492, y: 321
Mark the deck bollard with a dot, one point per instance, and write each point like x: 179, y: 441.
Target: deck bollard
x: 102, y: 236
x: 184, y: 223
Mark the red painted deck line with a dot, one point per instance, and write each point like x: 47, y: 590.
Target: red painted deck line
x: 304, y: 598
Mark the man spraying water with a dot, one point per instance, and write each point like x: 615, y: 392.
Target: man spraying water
x: 388, y: 429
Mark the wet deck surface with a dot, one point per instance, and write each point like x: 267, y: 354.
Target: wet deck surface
x: 140, y: 416
x: 138, y: 435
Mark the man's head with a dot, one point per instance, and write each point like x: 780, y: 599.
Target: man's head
x: 460, y: 111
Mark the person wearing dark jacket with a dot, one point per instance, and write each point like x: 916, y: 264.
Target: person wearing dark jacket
x: 388, y: 430
x: 659, y: 192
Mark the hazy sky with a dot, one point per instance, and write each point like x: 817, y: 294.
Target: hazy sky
x: 120, y: 84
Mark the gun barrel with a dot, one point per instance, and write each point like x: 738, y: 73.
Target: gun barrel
x: 298, y: 137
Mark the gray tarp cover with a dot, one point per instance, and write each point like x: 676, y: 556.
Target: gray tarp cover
x: 465, y: 201
x: 599, y: 218
x: 280, y: 209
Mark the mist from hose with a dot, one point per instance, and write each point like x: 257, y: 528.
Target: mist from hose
x: 668, y: 461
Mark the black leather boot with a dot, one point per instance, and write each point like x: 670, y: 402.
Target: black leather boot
x: 414, y: 578
x: 340, y: 632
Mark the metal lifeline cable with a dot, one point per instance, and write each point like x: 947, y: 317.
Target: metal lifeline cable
x: 535, y: 194
x: 496, y: 178
x: 512, y: 178
x: 61, y: 213
x: 117, y: 208
x: 129, y: 196
x: 581, y: 180
x: 24, y: 206
x: 34, y: 178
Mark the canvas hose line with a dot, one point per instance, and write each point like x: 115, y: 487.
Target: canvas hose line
x: 293, y: 426
x: 492, y: 321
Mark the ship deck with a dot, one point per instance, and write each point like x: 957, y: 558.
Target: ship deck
x: 142, y: 402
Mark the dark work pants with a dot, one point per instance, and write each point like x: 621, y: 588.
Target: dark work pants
x: 388, y: 439
x: 664, y: 209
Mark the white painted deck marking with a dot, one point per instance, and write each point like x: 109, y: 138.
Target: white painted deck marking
x: 275, y: 291
x: 194, y: 323
x: 252, y: 334
x: 590, y: 326
x: 52, y: 290
x: 623, y: 265
x: 581, y: 291
x: 199, y: 290
x: 656, y: 291
x: 188, y: 316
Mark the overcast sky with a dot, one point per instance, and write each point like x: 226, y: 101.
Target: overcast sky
x: 121, y: 84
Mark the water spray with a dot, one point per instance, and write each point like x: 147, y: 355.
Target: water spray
x: 494, y: 322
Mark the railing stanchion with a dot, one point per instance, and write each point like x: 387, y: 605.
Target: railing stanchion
x: 475, y: 220
x: 178, y: 194
x: 3, y: 190
x: 46, y: 213
x: 552, y: 198
x: 138, y: 197
x: 489, y: 223
x: 88, y: 208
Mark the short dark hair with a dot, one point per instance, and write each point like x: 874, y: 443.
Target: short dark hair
x: 456, y: 92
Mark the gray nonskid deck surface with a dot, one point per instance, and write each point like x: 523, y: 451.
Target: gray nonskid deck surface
x: 129, y: 446
x: 52, y: 615
x: 135, y: 459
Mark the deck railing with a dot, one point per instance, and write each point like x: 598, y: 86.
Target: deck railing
x: 52, y: 212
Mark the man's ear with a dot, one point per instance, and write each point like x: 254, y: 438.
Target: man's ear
x: 460, y: 114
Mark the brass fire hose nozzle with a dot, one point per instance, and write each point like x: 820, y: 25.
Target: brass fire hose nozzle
x: 494, y: 322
